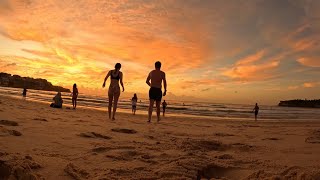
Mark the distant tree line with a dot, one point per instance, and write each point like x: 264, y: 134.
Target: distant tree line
x: 16, y: 81
x: 301, y: 103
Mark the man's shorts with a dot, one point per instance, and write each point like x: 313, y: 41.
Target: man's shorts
x: 155, y: 94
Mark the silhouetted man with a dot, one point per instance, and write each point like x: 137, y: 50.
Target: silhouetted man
x: 155, y: 93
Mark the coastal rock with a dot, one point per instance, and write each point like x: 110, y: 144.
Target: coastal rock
x: 16, y: 81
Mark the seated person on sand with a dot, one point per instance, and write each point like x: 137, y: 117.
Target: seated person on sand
x: 57, y: 101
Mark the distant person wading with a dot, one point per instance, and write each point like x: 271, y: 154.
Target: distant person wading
x: 24, y: 92
x: 114, y: 88
x: 256, y: 111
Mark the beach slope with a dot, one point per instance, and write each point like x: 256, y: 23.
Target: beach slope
x: 38, y: 142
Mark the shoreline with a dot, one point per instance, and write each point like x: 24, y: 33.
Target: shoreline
x: 168, y: 114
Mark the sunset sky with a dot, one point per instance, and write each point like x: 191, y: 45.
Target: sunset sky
x: 239, y: 51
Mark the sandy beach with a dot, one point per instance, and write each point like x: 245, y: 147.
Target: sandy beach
x: 38, y: 142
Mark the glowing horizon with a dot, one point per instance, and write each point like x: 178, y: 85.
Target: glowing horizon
x: 227, y: 51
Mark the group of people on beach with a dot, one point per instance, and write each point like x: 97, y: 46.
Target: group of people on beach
x: 57, y: 99
x: 154, y: 80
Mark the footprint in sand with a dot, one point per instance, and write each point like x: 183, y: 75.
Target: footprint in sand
x: 40, y: 119
x: 224, y: 156
x: 293, y: 172
x: 16, y: 167
x: 203, y: 145
x: 101, y: 149
x: 214, y: 171
x: 243, y: 147
x: 122, y: 130
x: 8, y: 123
x: 93, y: 135
x: 223, y: 134
x: 76, y: 172
x: 8, y: 132
x: 314, y: 138
x: 123, y: 154
x: 271, y: 139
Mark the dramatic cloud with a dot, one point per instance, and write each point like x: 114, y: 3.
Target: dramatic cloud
x: 206, y: 46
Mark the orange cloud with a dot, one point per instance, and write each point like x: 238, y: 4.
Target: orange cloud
x: 309, y: 61
x: 251, y: 58
x: 310, y: 84
x: 252, y: 72
x: 251, y: 68
x: 293, y: 87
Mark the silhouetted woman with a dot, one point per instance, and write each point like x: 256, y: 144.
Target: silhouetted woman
x: 114, y: 88
x: 134, y: 101
x: 256, y: 111
x: 75, y: 93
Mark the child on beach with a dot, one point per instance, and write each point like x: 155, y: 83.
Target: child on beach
x: 134, y: 101
x: 164, y: 106
x: 74, y: 96
x: 256, y: 111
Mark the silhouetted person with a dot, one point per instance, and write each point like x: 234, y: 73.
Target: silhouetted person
x: 256, y: 111
x: 164, y: 106
x: 134, y: 101
x: 57, y: 101
x: 155, y: 93
x: 114, y: 88
x: 24, y: 92
x: 75, y: 94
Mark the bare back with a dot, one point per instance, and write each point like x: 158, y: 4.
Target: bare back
x: 156, y: 77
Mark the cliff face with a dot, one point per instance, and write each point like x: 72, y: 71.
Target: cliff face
x: 301, y: 103
x: 16, y: 81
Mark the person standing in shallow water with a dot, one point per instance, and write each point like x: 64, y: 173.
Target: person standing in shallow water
x: 74, y: 96
x: 164, y: 106
x: 114, y: 88
x: 134, y: 101
x: 155, y: 93
x: 24, y: 92
x: 256, y: 111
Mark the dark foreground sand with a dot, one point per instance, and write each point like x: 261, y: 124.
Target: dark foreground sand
x: 37, y: 142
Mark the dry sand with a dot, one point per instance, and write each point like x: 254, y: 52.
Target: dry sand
x: 38, y: 142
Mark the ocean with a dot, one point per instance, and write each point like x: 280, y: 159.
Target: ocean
x: 175, y: 108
